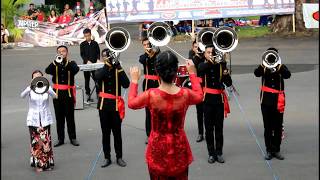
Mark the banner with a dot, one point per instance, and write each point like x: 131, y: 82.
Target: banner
x: 311, y: 15
x: 165, y: 10
x: 47, y: 34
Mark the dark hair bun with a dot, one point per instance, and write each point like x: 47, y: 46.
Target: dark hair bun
x: 167, y: 66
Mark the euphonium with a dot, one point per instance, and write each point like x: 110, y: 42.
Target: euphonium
x: 59, y: 58
x: 224, y: 39
x: 39, y: 85
x: 271, y: 59
x: 117, y: 39
x: 159, y: 34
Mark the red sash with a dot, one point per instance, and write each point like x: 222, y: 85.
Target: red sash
x: 281, y: 97
x: 225, y: 98
x: 152, y: 77
x: 121, y: 107
x: 66, y: 87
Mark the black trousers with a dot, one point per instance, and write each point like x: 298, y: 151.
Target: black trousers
x: 272, y: 121
x: 213, y: 122
x: 199, y: 108
x: 64, y: 111
x: 87, y: 81
x: 110, y: 121
x: 148, y: 121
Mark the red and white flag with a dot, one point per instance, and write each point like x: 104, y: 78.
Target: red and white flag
x: 311, y: 15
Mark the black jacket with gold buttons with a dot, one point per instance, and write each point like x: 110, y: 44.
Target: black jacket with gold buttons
x: 213, y: 77
x: 106, y: 79
x: 149, y: 68
x: 272, y: 80
x: 63, y: 73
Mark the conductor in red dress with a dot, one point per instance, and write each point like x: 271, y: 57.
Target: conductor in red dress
x: 168, y: 153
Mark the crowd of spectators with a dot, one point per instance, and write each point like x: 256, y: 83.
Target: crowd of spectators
x: 66, y: 16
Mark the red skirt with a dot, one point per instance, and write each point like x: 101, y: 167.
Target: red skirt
x: 181, y: 176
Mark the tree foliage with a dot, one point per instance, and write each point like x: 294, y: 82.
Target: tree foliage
x: 10, y: 9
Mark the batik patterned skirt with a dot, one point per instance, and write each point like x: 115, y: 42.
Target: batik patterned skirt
x: 41, y: 147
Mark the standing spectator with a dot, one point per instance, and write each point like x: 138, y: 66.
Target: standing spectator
x: 53, y: 16
x: 41, y: 16
x: 39, y: 120
x: 32, y: 13
x: 4, y: 34
x: 67, y: 9
x: 90, y: 53
x: 79, y: 14
x: 216, y: 23
x: 65, y: 18
x: 91, y: 11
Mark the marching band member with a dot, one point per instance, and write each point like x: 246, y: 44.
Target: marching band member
x: 63, y: 74
x: 39, y: 121
x: 151, y: 78
x: 197, y: 58
x: 216, y: 105
x: 168, y: 153
x: 111, y: 107
x: 272, y: 101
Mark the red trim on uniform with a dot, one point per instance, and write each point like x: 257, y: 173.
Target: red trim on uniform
x: 66, y: 87
x: 152, y: 77
x: 121, y: 107
x: 281, y: 97
x: 225, y: 98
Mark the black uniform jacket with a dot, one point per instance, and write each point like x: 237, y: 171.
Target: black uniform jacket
x: 63, y: 69
x: 212, y: 77
x: 149, y: 68
x: 272, y: 80
x: 107, y: 76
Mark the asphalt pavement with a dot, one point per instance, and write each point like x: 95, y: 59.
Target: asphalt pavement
x: 243, y: 129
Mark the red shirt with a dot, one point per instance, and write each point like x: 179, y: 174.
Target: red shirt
x: 52, y: 20
x: 64, y: 19
x: 40, y: 17
x: 168, y: 151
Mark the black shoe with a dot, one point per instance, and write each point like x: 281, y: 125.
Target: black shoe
x: 211, y: 159
x: 74, y: 142
x: 121, y: 162
x: 268, y: 156
x: 106, y: 163
x: 278, y: 156
x: 57, y: 144
x: 146, y: 142
x: 220, y: 159
x: 200, y: 138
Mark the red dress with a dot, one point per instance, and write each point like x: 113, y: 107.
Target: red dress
x: 168, y: 152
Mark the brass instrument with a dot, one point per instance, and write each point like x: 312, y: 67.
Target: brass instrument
x: 59, y: 58
x: 271, y: 59
x: 224, y: 39
x: 117, y: 39
x: 39, y: 85
x: 159, y: 33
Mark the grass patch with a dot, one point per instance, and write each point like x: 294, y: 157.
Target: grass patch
x: 252, y: 32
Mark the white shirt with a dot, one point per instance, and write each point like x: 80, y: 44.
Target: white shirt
x: 39, y: 111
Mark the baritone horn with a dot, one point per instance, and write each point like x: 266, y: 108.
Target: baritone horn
x: 39, y: 85
x: 159, y: 33
x: 59, y: 58
x: 117, y: 39
x: 224, y: 39
x: 271, y: 59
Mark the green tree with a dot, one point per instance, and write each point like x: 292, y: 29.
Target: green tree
x: 10, y: 9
